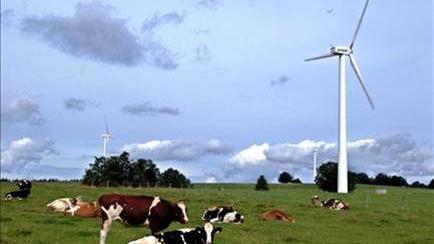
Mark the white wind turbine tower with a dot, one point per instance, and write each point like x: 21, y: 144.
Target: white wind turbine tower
x: 342, y: 52
x: 315, y: 153
x: 105, y: 137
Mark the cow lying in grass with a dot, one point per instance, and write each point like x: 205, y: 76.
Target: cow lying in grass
x: 331, y: 203
x: 277, y: 214
x: 84, y: 210
x: 222, y: 214
x: 62, y: 204
x: 200, y: 235
x: 22, y: 193
x: 154, y: 212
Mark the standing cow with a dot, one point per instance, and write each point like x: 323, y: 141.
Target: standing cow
x: 154, y: 212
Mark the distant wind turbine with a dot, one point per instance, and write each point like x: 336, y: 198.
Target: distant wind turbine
x: 105, y: 137
x: 342, y: 52
x: 315, y: 153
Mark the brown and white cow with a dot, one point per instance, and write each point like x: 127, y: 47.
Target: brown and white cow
x: 277, y: 214
x: 84, y: 209
x: 154, y: 212
x: 331, y: 203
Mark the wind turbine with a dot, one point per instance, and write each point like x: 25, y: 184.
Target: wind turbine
x: 105, y: 137
x: 342, y: 52
x: 315, y: 153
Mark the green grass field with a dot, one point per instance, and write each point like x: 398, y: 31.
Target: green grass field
x: 404, y: 215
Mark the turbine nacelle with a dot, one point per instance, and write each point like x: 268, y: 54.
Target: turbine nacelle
x: 341, y: 50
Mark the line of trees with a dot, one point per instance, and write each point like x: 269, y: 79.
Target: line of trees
x: 327, y: 179
x: 121, y: 171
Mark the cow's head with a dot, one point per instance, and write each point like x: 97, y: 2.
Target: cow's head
x: 207, y: 233
x: 181, y: 212
x: 210, y: 231
x: 233, y: 217
x: 24, y: 184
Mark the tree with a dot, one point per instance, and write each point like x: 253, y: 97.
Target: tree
x: 327, y: 178
x: 285, y: 177
x: 296, y: 181
x: 362, y: 178
x: 431, y: 184
x: 262, y: 184
x: 144, y: 173
x: 382, y: 179
x: 119, y: 170
x: 398, y: 181
x: 418, y: 184
x: 173, y: 178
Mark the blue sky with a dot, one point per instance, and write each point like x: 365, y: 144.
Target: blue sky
x: 218, y: 89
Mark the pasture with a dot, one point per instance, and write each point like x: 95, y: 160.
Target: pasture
x: 403, y: 215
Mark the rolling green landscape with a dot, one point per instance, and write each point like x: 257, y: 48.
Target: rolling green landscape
x: 403, y: 215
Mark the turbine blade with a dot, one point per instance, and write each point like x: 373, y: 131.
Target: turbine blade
x: 328, y: 55
x: 106, y: 126
x: 362, y: 83
x: 359, y: 24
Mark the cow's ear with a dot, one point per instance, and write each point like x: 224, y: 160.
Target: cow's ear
x: 218, y: 230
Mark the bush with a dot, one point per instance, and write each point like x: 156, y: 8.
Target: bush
x: 431, y: 184
x: 262, y: 184
x: 285, y: 177
x: 327, y: 178
x: 296, y: 181
x: 174, y: 178
x: 418, y: 184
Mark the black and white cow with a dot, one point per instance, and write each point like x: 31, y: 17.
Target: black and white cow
x: 331, y: 203
x: 222, y: 214
x: 200, y: 235
x: 22, y: 193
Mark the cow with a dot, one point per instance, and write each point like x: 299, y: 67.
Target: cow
x: 331, y: 203
x: 62, y: 204
x: 84, y: 209
x: 199, y: 235
x: 222, y: 214
x: 23, y: 192
x: 277, y: 214
x: 154, y: 212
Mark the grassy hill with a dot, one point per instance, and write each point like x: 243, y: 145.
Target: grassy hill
x: 404, y: 215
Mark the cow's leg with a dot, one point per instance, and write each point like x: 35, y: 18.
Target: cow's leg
x: 105, y: 227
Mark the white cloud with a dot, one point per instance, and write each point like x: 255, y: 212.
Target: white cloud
x: 22, y: 110
x: 397, y: 154
x: 255, y: 154
x: 166, y: 150
x: 24, y: 151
